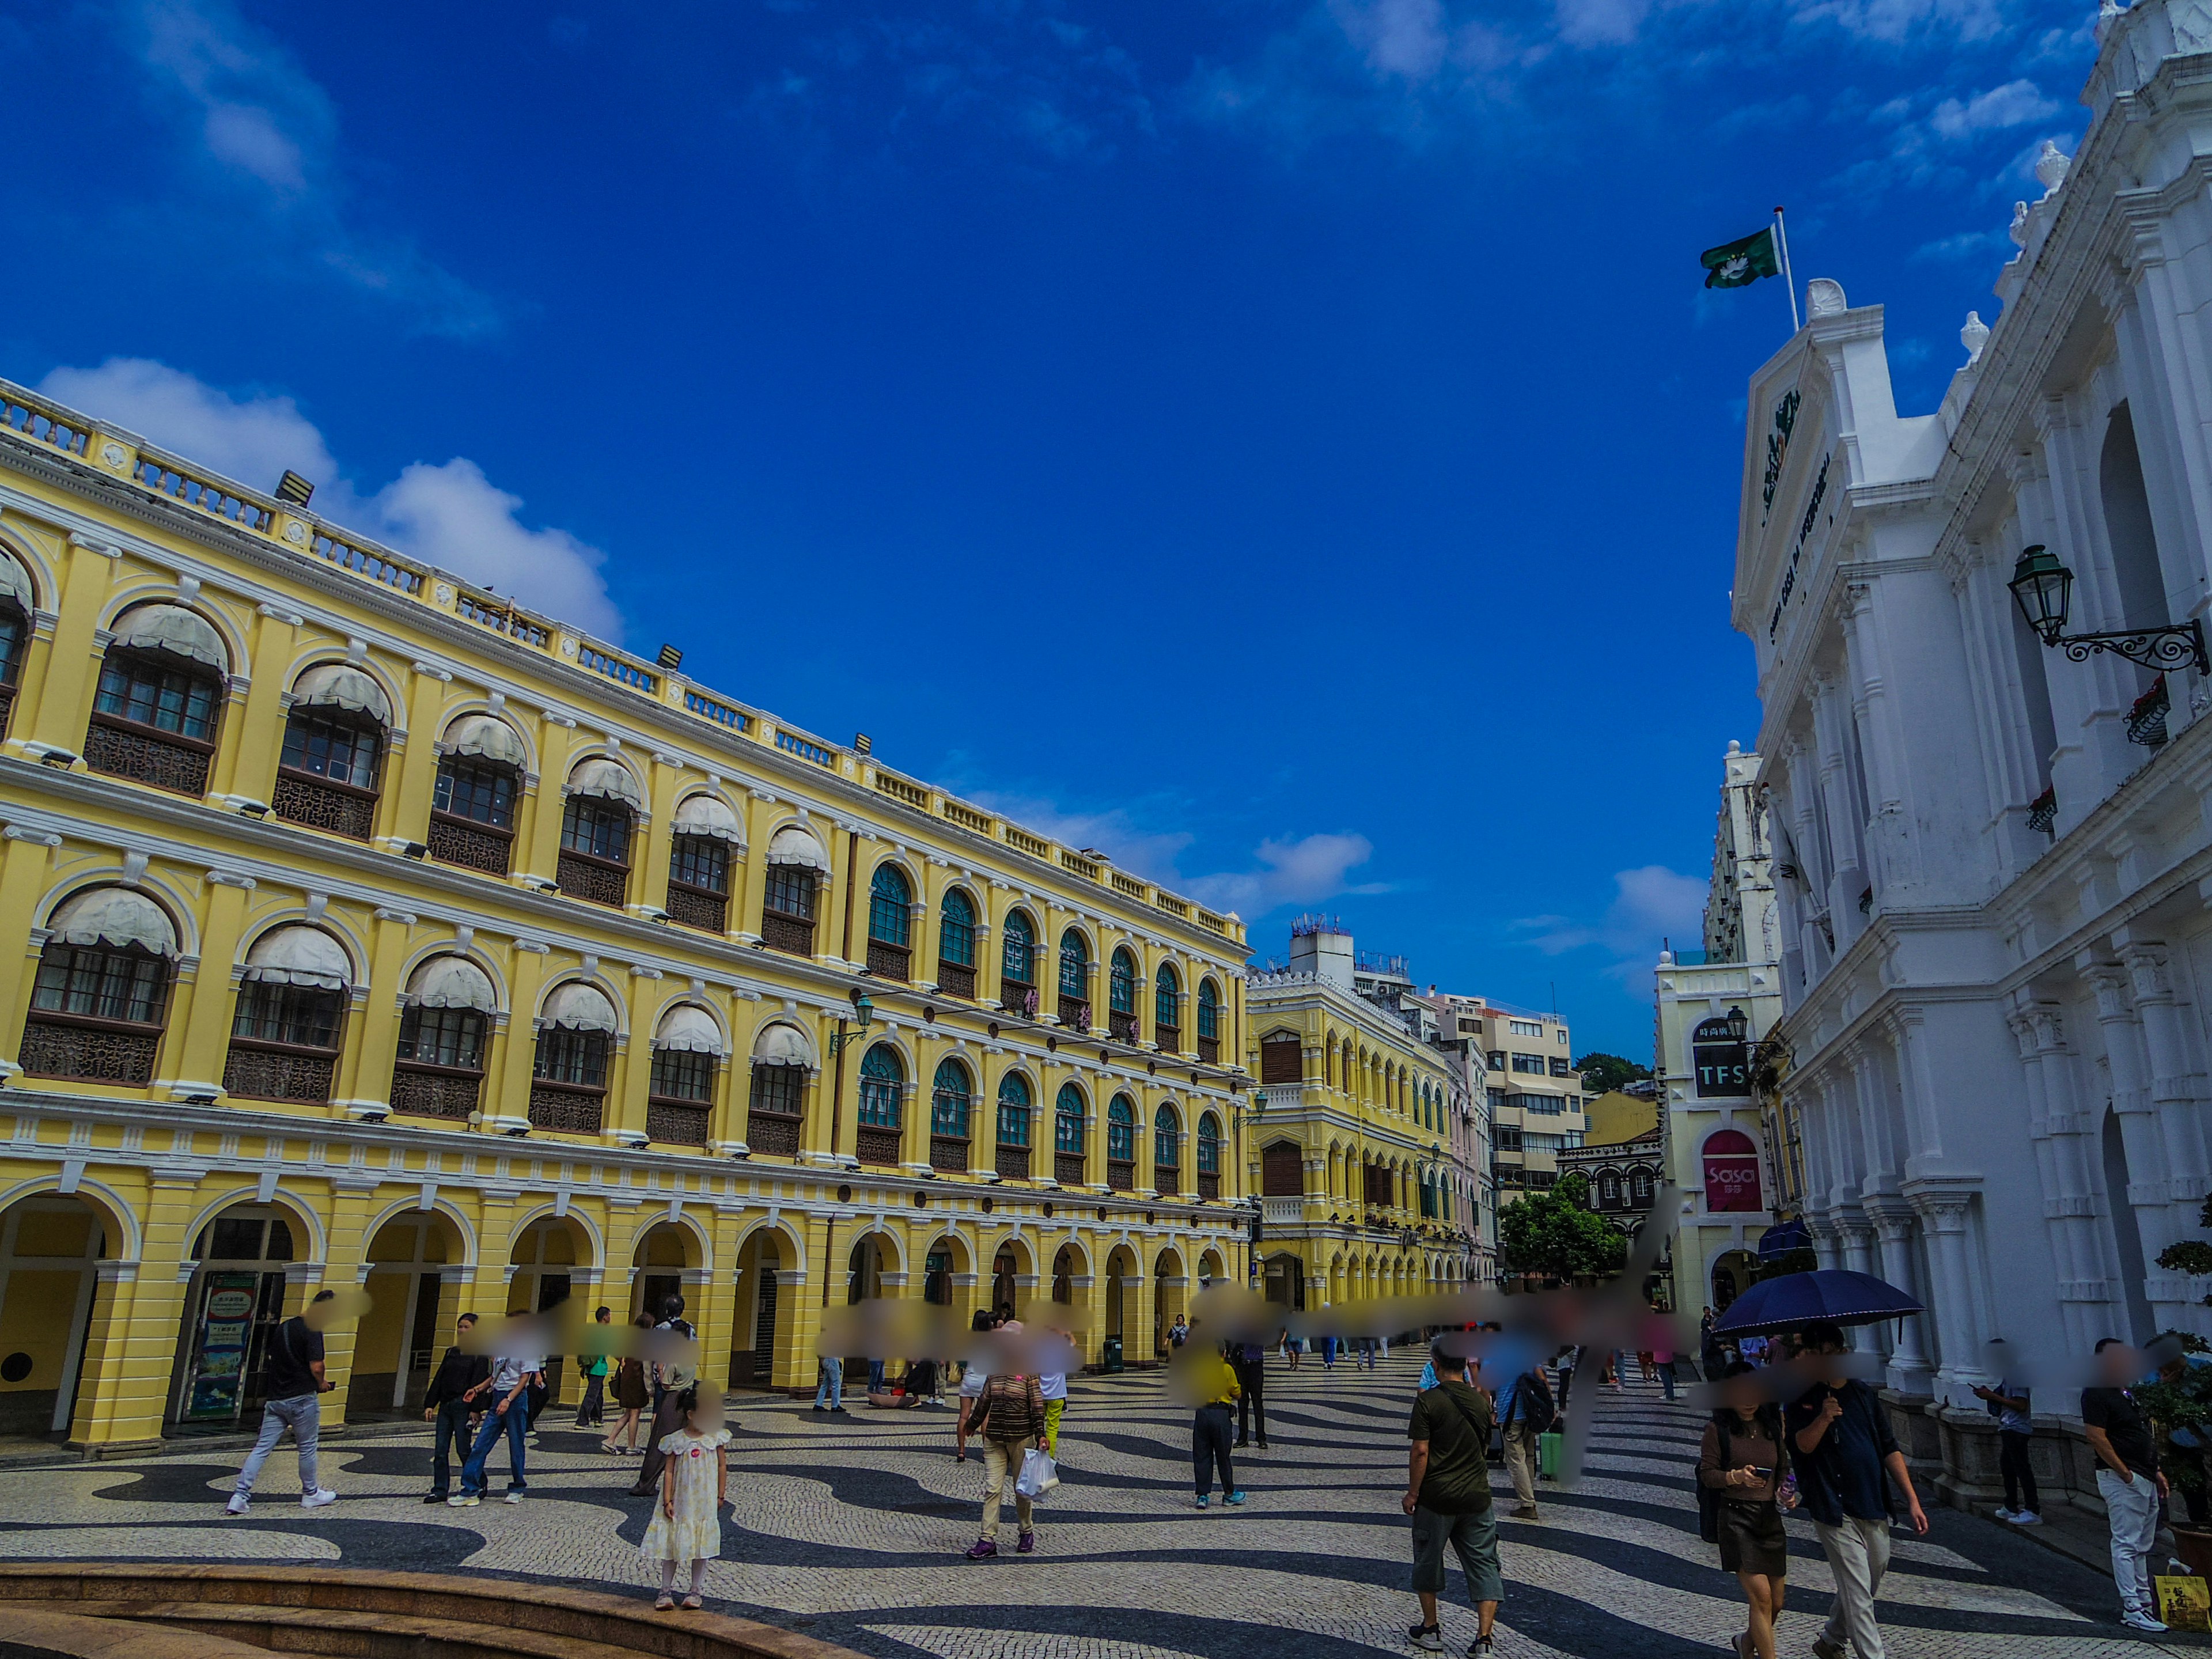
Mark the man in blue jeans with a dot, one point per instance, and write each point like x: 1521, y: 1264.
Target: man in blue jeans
x: 512, y: 1379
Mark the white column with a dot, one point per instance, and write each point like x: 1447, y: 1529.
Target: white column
x: 1908, y: 1360
x: 2149, y: 1194
x: 2062, y: 1154
x: 1945, y: 1216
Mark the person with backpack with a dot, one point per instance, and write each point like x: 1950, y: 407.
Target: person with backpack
x: 592, y: 1411
x: 292, y: 1380
x: 1249, y: 1361
x: 1525, y: 1410
x: 1743, y: 1485
x: 1448, y: 1495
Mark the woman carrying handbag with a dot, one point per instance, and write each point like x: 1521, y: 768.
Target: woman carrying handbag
x: 1009, y: 1416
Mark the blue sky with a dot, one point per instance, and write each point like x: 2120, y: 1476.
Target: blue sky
x: 1285, y: 445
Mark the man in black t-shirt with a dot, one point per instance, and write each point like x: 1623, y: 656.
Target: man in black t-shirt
x: 1448, y: 1495
x: 2128, y: 1477
x: 292, y: 1380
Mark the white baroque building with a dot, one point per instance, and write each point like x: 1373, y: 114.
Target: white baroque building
x: 1991, y: 856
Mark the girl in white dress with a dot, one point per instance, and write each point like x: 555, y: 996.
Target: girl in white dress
x: 695, y: 1482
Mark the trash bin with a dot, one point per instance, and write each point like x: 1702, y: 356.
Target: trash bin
x: 1110, y: 1358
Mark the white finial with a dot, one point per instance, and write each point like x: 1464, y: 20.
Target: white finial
x: 1974, y: 336
x: 2106, y: 10
x: 1734, y: 748
x: 2050, y: 167
x: 1824, y: 297
x: 2018, y: 231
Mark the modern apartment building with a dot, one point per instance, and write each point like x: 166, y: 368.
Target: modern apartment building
x: 358, y: 926
x: 1536, y: 1100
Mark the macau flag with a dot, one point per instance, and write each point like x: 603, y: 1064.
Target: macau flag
x: 1740, y: 264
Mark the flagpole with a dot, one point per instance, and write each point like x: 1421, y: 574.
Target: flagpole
x: 1782, y: 236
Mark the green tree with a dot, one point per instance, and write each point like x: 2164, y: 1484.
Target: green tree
x: 1601, y: 1072
x: 1554, y: 1235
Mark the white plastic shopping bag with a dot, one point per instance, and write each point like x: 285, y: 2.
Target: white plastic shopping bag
x: 1039, y: 1474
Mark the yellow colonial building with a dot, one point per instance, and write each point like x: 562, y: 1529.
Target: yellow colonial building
x: 359, y: 927
x: 1349, y: 1121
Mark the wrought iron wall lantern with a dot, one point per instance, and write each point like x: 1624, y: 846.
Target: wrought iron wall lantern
x: 2043, y: 589
x: 864, y: 1012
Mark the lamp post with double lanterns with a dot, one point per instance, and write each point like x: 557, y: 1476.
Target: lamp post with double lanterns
x: 2044, y: 588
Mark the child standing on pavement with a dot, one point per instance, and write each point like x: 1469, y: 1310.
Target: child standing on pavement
x: 694, y: 1483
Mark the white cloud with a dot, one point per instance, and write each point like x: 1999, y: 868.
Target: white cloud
x: 450, y: 515
x: 1401, y: 38
x: 262, y: 136
x: 1895, y: 21
x: 1650, y: 902
x: 2014, y: 104
x: 1599, y: 22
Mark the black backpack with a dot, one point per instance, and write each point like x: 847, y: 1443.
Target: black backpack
x: 1533, y: 1403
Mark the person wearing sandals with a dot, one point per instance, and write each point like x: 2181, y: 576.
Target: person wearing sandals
x: 1009, y: 1416
x: 695, y: 1484
x: 1744, y: 1462
x: 632, y: 1396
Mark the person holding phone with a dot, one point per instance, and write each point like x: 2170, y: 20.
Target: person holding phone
x: 1745, y: 1459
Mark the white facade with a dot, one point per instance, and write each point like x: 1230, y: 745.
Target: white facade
x: 1997, y: 1031
x: 1739, y: 967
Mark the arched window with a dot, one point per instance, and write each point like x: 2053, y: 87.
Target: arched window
x: 1209, y: 1156
x: 1014, y: 1128
x: 1209, y: 1023
x: 796, y: 863
x: 1074, y: 981
x: 1121, y: 982
x: 952, y: 1102
x: 1282, y: 1058
x: 479, y: 779
x: 596, y: 820
x: 778, y: 1101
x: 890, y: 922
x: 17, y: 603
x: 102, y: 990
x: 956, y: 945
x: 883, y: 1082
x: 1639, y: 1185
x: 1017, y: 987
x: 291, y: 1006
x: 1068, y: 1136
x: 1167, y: 1150
x: 1166, y: 1011
x: 687, y: 1058
x: 701, y: 838
x: 334, y: 738
x: 1121, y: 1144
x: 568, y: 1075
x: 1609, y: 1190
x: 439, y: 1071
x: 162, y: 685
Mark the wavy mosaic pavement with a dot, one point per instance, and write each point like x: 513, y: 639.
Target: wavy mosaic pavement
x: 851, y: 1528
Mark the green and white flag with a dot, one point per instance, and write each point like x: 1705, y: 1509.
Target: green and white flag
x: 1742, y: 263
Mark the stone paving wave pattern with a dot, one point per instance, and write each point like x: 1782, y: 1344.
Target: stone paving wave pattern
x: 850, y: 1528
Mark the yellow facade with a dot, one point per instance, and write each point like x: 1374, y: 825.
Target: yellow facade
x: 293, y: 996
x: 1617, y: 1117
x: 1349, y: 1119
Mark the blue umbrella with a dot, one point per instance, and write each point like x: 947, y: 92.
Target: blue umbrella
x: 1782, y: 1237
x: 1795, y: 1300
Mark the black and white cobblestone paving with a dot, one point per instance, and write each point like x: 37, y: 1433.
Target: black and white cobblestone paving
x: 852, y: 1529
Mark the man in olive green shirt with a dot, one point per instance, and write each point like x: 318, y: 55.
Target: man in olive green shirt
x: 1448, y: 1495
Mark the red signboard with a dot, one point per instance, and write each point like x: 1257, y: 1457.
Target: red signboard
x: 1731, y: 1160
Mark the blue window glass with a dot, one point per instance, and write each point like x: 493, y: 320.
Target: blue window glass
x: 956, y: 933
x: 1209, y: 1010
x: 1018, y: 962
x: 1167, y: 1000
x: 1167, y: 1139
x: 1209, y: 1145
x: 1122, y: 988
x: 1013, y: 1111
x: 951, y: 1094
x: 881, y: 1074
x: 1121, y: 1130
x: 1073, y: 980
x: 151, y: 692
x: 1067, y: 1119
x: 889, y: 895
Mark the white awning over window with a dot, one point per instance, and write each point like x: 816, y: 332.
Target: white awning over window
x: 690, y: 1030
x: 580, y: 1007
x: 15, y: 582
x: 340, y: 685
x: 115, y: 916
x: 299, y: 955
x: 172, y: 628
x: 708, y: 815
x: 452, y: 983
x: 795, y: 845
x: 608, y: 780
x: 780, y: 1045
x: 486, y: 738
